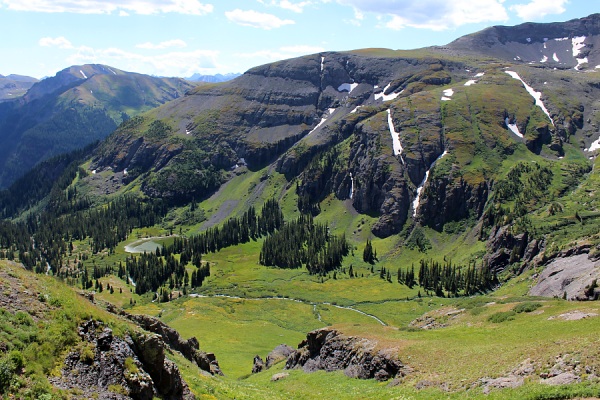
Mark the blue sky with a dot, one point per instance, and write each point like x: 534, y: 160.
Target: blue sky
x: 182, y: 37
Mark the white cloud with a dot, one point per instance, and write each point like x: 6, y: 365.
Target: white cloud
x: 61, y: 42
x: 144, y: 7
x: 123, y: 13
x: 429, y: 14
x: 296, y: 7
x: 538, y: 9
x: 181, y: 63
x: 302, y: 49
x: 256, y: 19
x: 162, y: 45
x: 282, y: 53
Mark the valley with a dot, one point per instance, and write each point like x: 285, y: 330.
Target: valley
x: 434, y: 210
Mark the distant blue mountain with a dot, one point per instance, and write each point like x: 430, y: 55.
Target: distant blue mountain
x: 213, y: 78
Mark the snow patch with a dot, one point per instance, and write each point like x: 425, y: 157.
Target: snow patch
x: 578, y: 44
x: 94, y: 172
x: 561, y: 39
x: 470, y: 82
x: 479, y: 74
x: 444, y: 98
x: 536, y: 95
x: 555, y: 57
x: 84, y: 77
x: 528, y: 40
x: 187, y: 132
x: 322, y: 61
x: 351, y: 186
x: 513, y: 127
x: 397, y: 145
x: 347, y: 86
x: 355, y: 109
x: 417, y: 199
x: 125, y: 172
x: 594, y: 146
x: 328, y: 113
x: 581, y: 61
x: 448, y: 92
x: 544, y: 59
x: 131, y: 281
x: 387, y: 97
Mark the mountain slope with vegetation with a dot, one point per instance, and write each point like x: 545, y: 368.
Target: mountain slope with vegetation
x: 78, y: 106
x: 393, y: 214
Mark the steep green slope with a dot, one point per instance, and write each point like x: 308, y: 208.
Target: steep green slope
x: 78, y: 106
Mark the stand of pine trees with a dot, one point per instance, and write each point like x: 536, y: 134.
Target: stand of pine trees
x: 152, y: 270
x: 452, y: 279
x: 303, y: 242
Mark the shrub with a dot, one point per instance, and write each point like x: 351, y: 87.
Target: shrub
x: 526, y: 307
x: 499, y: 317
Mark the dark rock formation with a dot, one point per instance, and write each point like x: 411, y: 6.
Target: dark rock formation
x: 189, y: 348
x: 258, y: 365
x: 446, y: 200
x: 279, y: 353
x: 109, y: 367
x: 329, y: 350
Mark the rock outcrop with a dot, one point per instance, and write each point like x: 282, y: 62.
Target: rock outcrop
x: 189, y: 348
x: 279, y: 353
x: 329, y: 350
x: 109, y: 367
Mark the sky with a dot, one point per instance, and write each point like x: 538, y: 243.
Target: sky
x: 181, y: 37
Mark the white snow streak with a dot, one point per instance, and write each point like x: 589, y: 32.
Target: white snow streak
x: 387, y: 97
x: 114, y: 73
x: 322, y: 61
x: 84, y: 77
x: 470, y: 82
x: 187, y: 132
x: 536, y: 95
x: 396, y: 144
x: 578, y: 44
x: 513, y: 127
x: 347, y: 86
x: 131, y: 281
x: 544, y: 59
x: 422, y: 185
x: 561, y: 39
x: 328, y: 113
x: 555, y: 57
x: 351, y: 186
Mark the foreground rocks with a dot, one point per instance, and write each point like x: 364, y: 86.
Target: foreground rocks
x: 105, y: 366
x: 279, y: 353
x: 329, y: 350
x: 189, y: 348
x: 568, y: 276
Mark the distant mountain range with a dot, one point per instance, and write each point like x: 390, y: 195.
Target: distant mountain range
x: 212, y: 78
x: 14, y: 86
x: 78, y: 106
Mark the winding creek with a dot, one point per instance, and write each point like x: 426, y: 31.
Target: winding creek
x: 314, y: 304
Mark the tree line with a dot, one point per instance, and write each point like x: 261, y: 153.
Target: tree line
x: 303, y: 242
